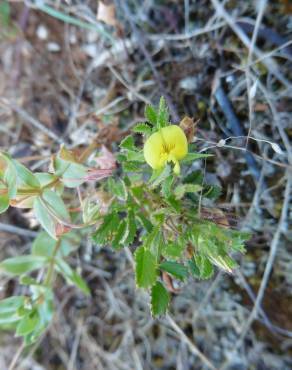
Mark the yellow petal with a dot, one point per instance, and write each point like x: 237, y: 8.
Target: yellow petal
x: 176, y: 140
x: 176, y: 168
x: 168, y: 144
x: 153, y: 151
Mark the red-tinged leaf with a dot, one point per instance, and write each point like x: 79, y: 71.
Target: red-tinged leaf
x: 62, y: 229
x: 23, y: 201
x: 4, y: 199
x: 94, y: 174
x: 106, y: 160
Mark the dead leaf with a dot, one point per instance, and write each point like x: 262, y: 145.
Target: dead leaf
x: 62, y: 229
x: 260, y: 107
x: 169, y: 283
x: 189, y: 127
x: 106, y: 160
x: 215, y: 215
x: 104, y: 201
x: 22, y: 201
x: 107, y: 14
x: 98, y: 174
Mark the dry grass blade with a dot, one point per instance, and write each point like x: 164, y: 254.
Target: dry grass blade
x: 191, y: 346
x: 268, y: 268
x: 69, y: 74
x: 30, y: 121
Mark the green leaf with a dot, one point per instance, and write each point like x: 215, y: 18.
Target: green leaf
x: 44, y: 245
x: 121, y: 157
x: 174, y: 268
x: 4, y: 13
x: 131, y: 230
x: 163, y: 115
x: 4, y: 202
x: 10, y: 177
x: 166, y: 186
x: 46, y: 309
x: 212, y: 191
x: 159, y: 299
x: 225, y: 262
x: 27, y: 324
x: 159, y: 215
x: 80, y: 283
x: 9, y: 320
x: 55, y: 204
x: 137, y: 190
x: 151, y: 115
x: 44, y: 218
x: 193, y: 268
x: 182, y: 189
x: 22, y: 264
x: 91, y: 210
x: 175, y: 204
x: 153, y: 241
x: 195, y: 177
x: 120, y: 235
x: 237, y: 240
x: 195, y: 156
x: 27, y: 280
x: 142, y: 128
x: 240, y: 235
x: 71, y: 276
x: 146, y: 268
x: 73, y: 174
x: 135, y: 156
x: 147, y: 224
x: 132, y: 167
x: 27, y: 177
x: 173, y: 249
x: 128, y: 143
x: 11, y: 304
x: 204, y: 266
x: 159, y: 176
x: 107, y: 229
x: 45, y: 178
x: 118, y: 188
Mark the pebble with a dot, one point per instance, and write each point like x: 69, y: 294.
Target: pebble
x: 90, y: 50
x: 53, y: 47
x: 188, y: 83
x: 42, y: 32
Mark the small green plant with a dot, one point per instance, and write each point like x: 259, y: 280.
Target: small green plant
x: 7, y: 30
x: 151, y: 203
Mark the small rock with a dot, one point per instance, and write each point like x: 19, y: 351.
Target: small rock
x: 188, y: 83
x: 91, y: 36
x: 90, y: 50
x: 42, y: 32
x: 53, y: 47
x: 72, y: 37
x: 223, y: 170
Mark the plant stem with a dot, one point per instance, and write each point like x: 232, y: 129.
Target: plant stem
x: 50, y: 271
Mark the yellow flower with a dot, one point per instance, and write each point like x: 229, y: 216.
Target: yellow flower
x: 169, y: 144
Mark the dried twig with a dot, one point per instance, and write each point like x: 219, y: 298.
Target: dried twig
x: 261, y: 6
x: 236, y: 127
x: 268, y: 268
x: 30, y: 121
x: 269, y: 63
x: 17, y: 230
x: 189, y: 343
x: 142, y: 46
